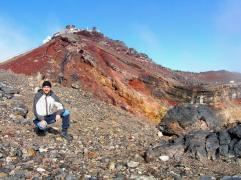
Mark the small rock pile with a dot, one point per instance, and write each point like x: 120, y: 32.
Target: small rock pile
x: 197, y: 131
x: 201, y: 145
x: 7, y: 92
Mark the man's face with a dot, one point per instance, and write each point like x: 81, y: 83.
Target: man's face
x: 46, y: 89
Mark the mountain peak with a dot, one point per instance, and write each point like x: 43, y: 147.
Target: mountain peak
x: 113, y: 72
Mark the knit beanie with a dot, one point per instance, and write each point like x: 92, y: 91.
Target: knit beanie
x: 46, y: 83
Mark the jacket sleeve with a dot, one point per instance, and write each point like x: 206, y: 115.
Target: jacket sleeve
x: 36, y: 98
x: 58, y: 104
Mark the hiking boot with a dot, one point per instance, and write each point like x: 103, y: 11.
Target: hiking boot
x: 40, y: 132
x: 66, y: 136
x: 52, y: 131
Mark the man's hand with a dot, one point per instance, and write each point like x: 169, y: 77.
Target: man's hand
x: 57, y: 118
x: 43, y: 124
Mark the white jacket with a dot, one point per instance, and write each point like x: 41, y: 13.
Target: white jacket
x: 46, y: 104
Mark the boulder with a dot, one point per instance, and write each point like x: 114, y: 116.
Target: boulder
x: 185, y: 115
x: 224, y: 150
x: 195, y: 144
x: 19, y: 108
x: 10, y: 90
x: 231, y: 146
x: 7, y: 91
x: 173, y: 149
x: 212, y: 145
x: 207, y: 114
x: 201, y: 144
x: 155, y: 151
x: 76, y: 85
x: 224, y: 138
x: 235, y: 131
x: 237, y: 149
x: 185, y: 118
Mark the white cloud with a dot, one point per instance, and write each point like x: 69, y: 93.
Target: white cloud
x: 47, y: 39
x: 13, y: 39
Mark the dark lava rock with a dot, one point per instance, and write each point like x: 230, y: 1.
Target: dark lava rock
x: 207, y: 178
x: 185, y: 115
x: 207, y: 114
x: 237, y: 149
x: 195, y: 144
x: 20, y: 108
x: 231, y: 146
x: 224, y: 137
x: 174, y: 148
x: 189, y: 117
x: 231, y: 178
x: 212, y: 145
x: 224, y: 150
x: 153, y: 153
x: 202, y: 145
x: 236, y: 131
x: 10, y: 90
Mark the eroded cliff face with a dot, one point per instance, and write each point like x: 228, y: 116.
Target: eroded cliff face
x: 117, y: 74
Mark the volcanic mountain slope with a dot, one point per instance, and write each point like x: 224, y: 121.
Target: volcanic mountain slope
x: 217, y: 77
x: 108, y: 143
x: 220, y: 76
x: 108, y: 68
x: 111, y: 71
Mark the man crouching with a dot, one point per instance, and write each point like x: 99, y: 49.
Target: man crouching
x: 45, y: 101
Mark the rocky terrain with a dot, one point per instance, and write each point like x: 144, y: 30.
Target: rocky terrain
x: 130, y: 118
x: 197, y: 130
x: 109, y: 143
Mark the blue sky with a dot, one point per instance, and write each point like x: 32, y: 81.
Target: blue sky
x: 184, y: 35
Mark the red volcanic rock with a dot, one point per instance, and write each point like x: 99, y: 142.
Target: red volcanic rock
x: 220, y: 76
x: 111, y: 71
x: 101, y: 65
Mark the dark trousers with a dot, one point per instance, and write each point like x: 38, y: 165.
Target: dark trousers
x: 50, y: 119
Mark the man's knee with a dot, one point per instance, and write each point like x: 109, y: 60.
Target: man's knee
x: 66, y: 113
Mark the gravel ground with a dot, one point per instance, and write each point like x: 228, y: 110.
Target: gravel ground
x: 108, y: 143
